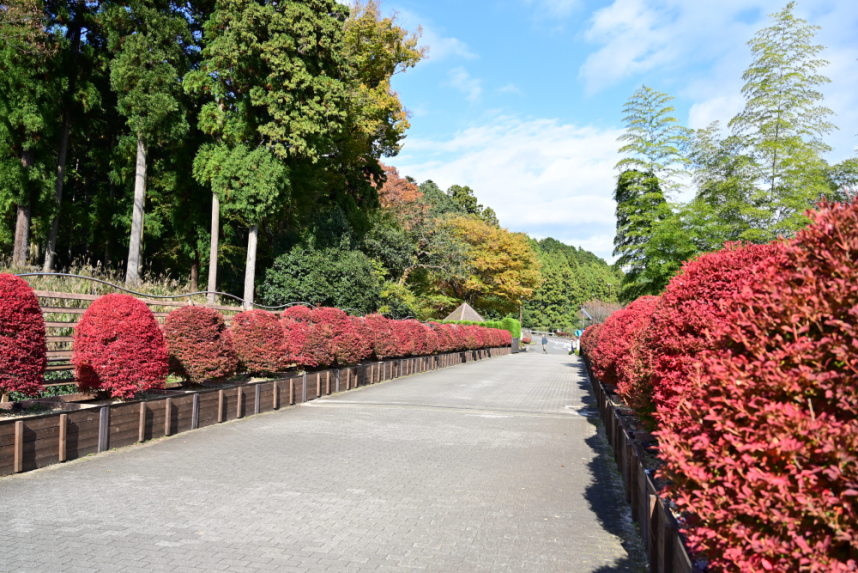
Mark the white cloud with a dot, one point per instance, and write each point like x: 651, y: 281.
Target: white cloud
x: 510, y: 89
x: 440, y: 47
x: 720, y: 108
x: 459, y: 79
x: 541, y: 176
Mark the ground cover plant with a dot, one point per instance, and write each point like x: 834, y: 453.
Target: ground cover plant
x: 119, y: 348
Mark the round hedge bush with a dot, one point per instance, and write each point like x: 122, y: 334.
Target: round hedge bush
x: 385, y: 342
x: 766, y: 467
x: 616, y: 335
x: 119, y: 348
x: 259, y: 342
x: 692, y: 306
x: 199, y: 344
x: 296, y: 322
x: 365, y: 337
x: 590, y: 341
x: 23, y: 350
x: 333, y: 338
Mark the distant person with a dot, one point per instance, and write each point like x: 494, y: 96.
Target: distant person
x: 544, y: 344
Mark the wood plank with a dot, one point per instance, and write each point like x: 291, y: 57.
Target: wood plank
x: 58, y: 324
x: 58, y: 339
x: 64, y: 420
x: 18, y: 465
x: 62, y: 310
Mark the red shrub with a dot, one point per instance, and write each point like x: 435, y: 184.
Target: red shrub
x: 616, y: 335
x: 22, y: 338
x: 692, y: 306
x: 471, y: 337
x: 590, y: 341
x: 432, y: 339
x: 385, y: 342
x: 405, y: 343
x: 118, y: 347
x: 445, y: 337
x: 296, y: 323
x: 259, y: 341
x: 416, y: 337
x: 199, y: 344
x: 366, y: 337
x: 766, y: 466
x: 333, y: 338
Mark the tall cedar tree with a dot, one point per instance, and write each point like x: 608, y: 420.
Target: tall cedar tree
x: 28, y: 95
x: 147, y: 37
x: 273, y: 73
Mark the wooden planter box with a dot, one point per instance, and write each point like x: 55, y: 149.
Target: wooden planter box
x: 38, y: 441
x: 665, y: 548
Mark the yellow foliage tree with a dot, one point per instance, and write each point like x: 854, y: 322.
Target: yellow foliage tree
x: 502, y: 268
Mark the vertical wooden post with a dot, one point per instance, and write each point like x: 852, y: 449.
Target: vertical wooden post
x: 291, y: 391
x: 258, y: 396
x: 64, y: 423
x: 318, y: 384
x: 338, y: 380
x: 239, y: 402
x: 141, y: 428
x: 168, y: 416
x: 276, y: 404
x: 195, y: 412
x: 18, y: 462
x: 348, y: 373
x: 103, y: 428
x: 327, y: 382
x: 219, y: 406
x: 304, y: 388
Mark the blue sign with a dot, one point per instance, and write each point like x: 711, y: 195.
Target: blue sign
x: 579, y: 332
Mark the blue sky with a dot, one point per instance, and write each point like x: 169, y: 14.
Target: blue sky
x: 522, y: 99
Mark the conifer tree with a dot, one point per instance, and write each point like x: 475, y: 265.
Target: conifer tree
x: 147, y: 37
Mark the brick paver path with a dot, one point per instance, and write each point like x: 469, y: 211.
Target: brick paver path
x: 492, y: 466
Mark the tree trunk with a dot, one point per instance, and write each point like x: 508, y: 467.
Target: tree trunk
x: 50, y: 251
x: 213, y: 252
x: 195, y: 274
x: 21, y: 250
x: 250, y: 270
x: 132, y: 275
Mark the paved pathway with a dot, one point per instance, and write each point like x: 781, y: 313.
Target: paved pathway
x: 494, y: 466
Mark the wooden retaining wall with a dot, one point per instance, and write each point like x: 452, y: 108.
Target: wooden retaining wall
x: 38, y: 441
x: 665, y: 548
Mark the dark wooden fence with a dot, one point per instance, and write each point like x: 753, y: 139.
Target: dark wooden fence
x: 665, y: 548
x: 39, y: 441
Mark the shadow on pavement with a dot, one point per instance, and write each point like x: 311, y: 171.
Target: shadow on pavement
x: 606, y: 495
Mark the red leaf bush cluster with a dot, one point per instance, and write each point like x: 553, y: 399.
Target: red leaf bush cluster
x: 748, y: 366
x: 23, y: 351
x: 119, y: 347
x: 199, y: 344
x: 296, y: 322
x: 259, y: 341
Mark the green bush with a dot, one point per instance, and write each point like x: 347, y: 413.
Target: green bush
x: 332, y: 277
x: 512, y: 325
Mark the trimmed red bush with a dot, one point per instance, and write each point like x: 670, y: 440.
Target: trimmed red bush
x: 119, y: 347
x: 297, y: 322
x: 692, y: 306
x: 333, y: 338
x: 617, y: 334
x: 766, y: 467
x: 404, y: 341
x: 199, y: 344
x: 365, y: 339
x: 416, y: 335
x: 590, y: 341
x: 471, y: 337
x: 385, y: 342
x: 432, y: 339
x: 23, y: 357
x: 260, y: 341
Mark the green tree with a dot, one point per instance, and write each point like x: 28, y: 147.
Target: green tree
x: 28, y: 94
x: 335, y: 276
x: 147, y: 37
x: 272, y: 72
x: 464, y: 197
x: 784, y: 121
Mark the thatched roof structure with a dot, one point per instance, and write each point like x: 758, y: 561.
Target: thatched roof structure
x: 465, y: 312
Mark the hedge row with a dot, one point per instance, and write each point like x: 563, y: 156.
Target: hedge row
x: 746, y: 367
x: 120, y: 348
